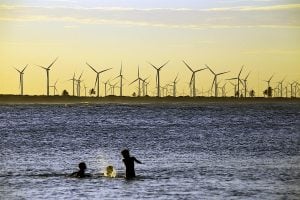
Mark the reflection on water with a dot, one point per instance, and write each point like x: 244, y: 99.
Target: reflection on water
x: 195, y: 151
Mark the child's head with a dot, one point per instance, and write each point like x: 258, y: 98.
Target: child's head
x: 109, y: 170
x: 82, y: 166
x: 125, y: 153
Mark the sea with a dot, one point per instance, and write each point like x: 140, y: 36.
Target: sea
x: 209, y: 150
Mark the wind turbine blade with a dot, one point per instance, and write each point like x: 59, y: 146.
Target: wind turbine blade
x: 271, y: 78
x: 42, y: 67
x: 247, y: 76
x: 231, y: 79
x: 24, y: 68
x: 96, y: 82
x: 17, y: 70
x: 80, y: 76
x: 212, y: 85
x: 193, y: 76
x: 241, y: 71
x: 223, y: 73
x: 134, y: 81
x: 200, y: 69
x: 116, y: 77
x: 187, y: 66
x: 210, y: 69
x: 153, y: 66
x: 104, y: 70
x: 73, y: 76
x: 241, y: 82
x: 91, y: 67
x: 146, y: 78
x: 164, y: 64
x: 176, y: 78
x: 52, y: 63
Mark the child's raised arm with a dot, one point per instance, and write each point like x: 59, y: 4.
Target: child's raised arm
x: 136, y: 160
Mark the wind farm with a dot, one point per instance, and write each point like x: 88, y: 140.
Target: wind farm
x: 163, y: 93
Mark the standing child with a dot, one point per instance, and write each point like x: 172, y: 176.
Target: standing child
x: 129, y: 163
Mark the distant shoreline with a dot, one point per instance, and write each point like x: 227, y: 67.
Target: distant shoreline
x: 27, y: 99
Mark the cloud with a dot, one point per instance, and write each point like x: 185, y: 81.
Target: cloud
x: 184, y: 18
x: 97, y: 21
x: 128, y: 9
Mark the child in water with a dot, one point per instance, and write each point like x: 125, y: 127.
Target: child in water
x: 110, y: 172
x: 81, y: 172
x: 129, y: 163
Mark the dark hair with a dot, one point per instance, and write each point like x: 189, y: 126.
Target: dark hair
x: 82, y: 166
x: 125, y: 153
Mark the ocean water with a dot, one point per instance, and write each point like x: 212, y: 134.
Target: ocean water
x: 189, y: 151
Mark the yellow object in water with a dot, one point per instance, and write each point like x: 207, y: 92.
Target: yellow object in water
x: 110, y: 172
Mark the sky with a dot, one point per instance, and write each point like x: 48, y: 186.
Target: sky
x: 261, y: 35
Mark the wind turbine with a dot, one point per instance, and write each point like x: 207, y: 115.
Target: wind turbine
x: 121, y: 81
x: 174, y: 85
x: 157, y: 76
x: 268, y: 81
x: 224, y: 90
x: 235, y: 86
x: 245, y: 84
x: 54, y: 88
x: 139, y: 80
x: 78, y: 84
x: 144, y: 84
x: 215, y: 81
x: 85, y: 87
x: 105, y: 86
x: 21, y: 72
x: 47, y: 72
x: 112, y: 88
x: 98, y: 77
x: 193, y: 78
x: 73, y: 80
x: 280, y: 83
x: 238, y: 82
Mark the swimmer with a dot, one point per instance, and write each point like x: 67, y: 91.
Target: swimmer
x: 129, y: 163
x: 110, y: 172
x: 81, y: 173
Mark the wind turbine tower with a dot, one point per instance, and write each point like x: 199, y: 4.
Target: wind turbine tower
x: 121, y: 80
x: 281, y: 88
x: 238, y: 82
x: 139, y: 81
x: 21, y: 72
x: 157, y: 76
x: 215, y: 81
x: 47, y: 72
x: 78, y: 84
x: 98, y: 77
x: 174, y: 85
x: 73, y: 81
x: 193, y: 78
x: 245, y: 84
x: 54, y: 88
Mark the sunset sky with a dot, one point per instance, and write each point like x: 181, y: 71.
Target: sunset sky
x: 262, y: 35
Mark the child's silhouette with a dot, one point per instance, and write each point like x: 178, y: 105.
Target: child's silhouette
x: 81, y: 172
x: 129, y: 163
